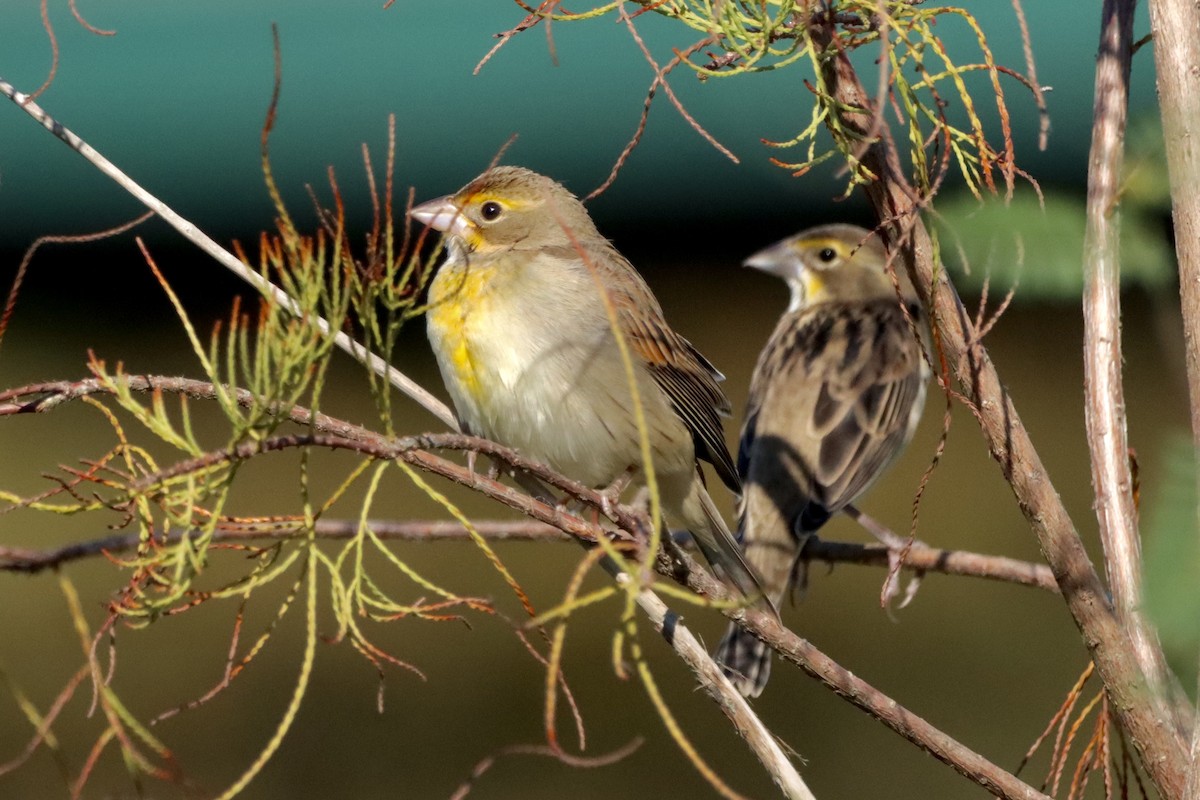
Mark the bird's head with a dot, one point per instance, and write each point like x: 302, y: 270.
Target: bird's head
x: 831, y: 263
x: 507, y: 208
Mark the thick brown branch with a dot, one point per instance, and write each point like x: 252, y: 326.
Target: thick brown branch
x: 1161, y: 749
x: 334, y: 433
x: 37, y: 398
x: 1177, y: 60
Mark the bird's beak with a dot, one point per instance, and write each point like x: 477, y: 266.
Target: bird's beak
x: 442, y: 215
x: 774, y: 260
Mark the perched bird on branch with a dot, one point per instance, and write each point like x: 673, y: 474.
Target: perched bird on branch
x: 528, y: 318
x: 836, y: 395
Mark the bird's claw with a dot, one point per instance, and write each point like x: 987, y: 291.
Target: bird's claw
x: 610, y: 496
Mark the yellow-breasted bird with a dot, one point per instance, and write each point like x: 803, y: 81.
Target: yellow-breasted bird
x: 836, y: 394
x: 518, y: 319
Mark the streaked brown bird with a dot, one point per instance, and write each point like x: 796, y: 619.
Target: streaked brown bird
x: 836, y: 395
x: 519, y: 320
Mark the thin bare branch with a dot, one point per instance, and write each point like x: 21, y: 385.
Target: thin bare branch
x: 224, y: 257
x: 89, y: 27
x: 1039, y: 92
x: 660, y: 79
x: 546, y: 751
x: 31, y: 560
x: 728, y: 699
x: 919, y: 558
x: 15, y: 289
x: 636, y: 139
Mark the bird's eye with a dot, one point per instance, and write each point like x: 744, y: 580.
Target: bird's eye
x: 827, y: 255
x: 491, y: 211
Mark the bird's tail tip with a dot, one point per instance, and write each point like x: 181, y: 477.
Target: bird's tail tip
x: 745, y: 660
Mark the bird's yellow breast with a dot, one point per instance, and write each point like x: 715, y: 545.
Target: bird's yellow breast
x: 457, y: 318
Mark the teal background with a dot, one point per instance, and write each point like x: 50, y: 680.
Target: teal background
x: 178, y: 96
x: 177, y: 99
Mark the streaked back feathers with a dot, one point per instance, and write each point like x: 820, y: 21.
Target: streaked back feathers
x: 836, y: 394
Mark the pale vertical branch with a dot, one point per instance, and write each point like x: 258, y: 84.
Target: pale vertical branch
x: 707, y: 672
x: 1192, y: 792
x: 761, y: 741
x: 1177, y: 60
x: 1162, y: 750
x: 1104, y: 404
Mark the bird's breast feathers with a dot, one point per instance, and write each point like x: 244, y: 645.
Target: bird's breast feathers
x: 466, y: 320
x: 527, y: 365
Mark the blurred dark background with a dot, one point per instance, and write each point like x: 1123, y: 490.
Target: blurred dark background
x: 177, y: 100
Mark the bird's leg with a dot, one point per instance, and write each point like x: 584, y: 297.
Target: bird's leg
x: 897, y: 548
x: 798, y: 582
x: 610, y: 496
x: 676, y: 548
x: 493, y: 470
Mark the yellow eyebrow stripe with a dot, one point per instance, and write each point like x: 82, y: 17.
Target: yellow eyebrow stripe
x: 504, y: 200
x: 837, y: 245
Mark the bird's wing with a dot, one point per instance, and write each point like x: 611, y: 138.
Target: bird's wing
x: 843, y: 387
x: 687, y: 378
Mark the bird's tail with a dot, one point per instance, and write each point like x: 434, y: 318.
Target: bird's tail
x: 719, y: 546
x: 745, y: 660
x: 772, y: 548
